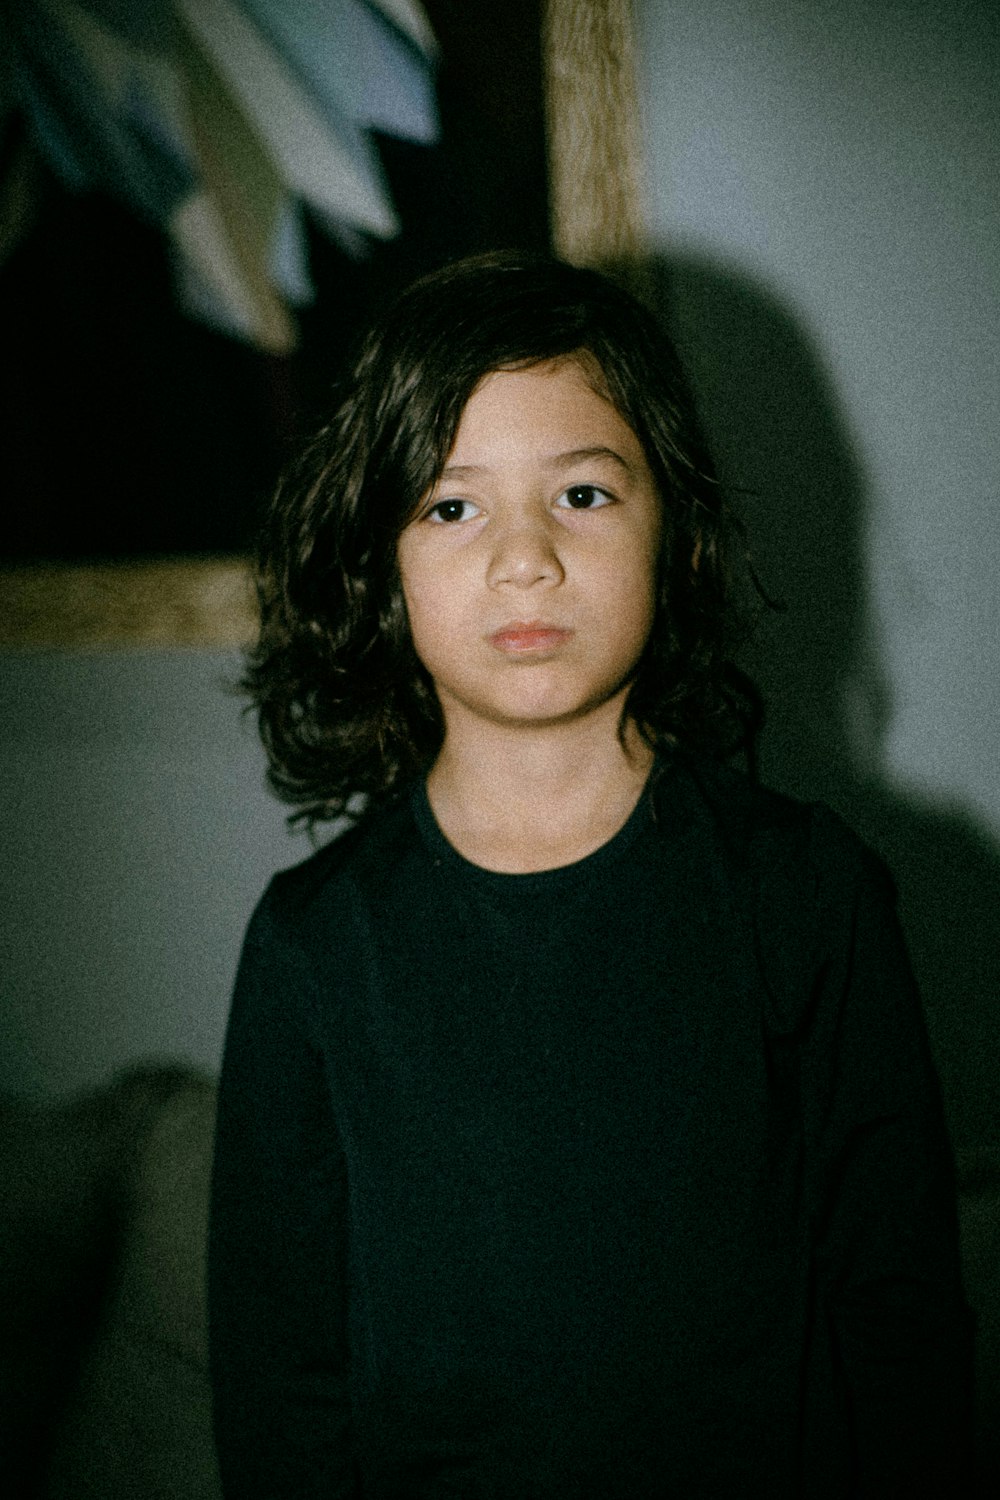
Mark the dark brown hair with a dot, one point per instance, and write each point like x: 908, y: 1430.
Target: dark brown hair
x: 347, y: 713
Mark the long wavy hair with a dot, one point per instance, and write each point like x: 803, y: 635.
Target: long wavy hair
x: 347, y: 712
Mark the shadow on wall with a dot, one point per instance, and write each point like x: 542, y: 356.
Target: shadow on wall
x: 775, y: 430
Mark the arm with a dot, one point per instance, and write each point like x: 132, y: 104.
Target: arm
x: 886, y: 1228
x: 277, y: 1243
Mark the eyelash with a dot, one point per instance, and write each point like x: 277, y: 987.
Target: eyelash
x: 435, y: 511
x: 594, y: 489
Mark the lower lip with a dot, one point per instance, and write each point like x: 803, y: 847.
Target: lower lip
x: 529, y: 642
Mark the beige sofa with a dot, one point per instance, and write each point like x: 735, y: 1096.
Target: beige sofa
x: 103, y: 1378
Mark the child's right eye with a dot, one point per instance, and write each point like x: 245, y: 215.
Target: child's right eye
x: 452, y: 510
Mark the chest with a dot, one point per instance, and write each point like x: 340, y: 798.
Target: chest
x: 577, y: 1052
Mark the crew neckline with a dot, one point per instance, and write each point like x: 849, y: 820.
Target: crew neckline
x: 446, y: 857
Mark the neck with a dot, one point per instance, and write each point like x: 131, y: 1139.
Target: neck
x: 517, y: 800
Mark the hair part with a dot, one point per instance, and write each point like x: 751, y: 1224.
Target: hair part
x: 347, y: 713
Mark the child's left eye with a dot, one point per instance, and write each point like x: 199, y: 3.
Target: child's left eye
x: 452, y: 510
x: 583, y: 497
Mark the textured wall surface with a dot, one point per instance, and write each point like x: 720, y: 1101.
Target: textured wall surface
x: 137, y: 835
x: 825, y: 214
x: 823, y: 205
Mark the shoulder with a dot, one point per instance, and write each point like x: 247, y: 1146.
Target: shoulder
x: 815, y: 900
x: 796, y: 874
x: 298, y: 899
x: 308, y: 942
x: 767, y: 834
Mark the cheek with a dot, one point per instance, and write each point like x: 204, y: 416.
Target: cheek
x: 417, y: 618
x: 431, y: 613
x: 641, y: 613
x: 634, y: 581
x: 413, y: 583
x: 637, y: 604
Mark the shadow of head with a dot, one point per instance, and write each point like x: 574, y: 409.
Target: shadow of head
x: 787, y: 459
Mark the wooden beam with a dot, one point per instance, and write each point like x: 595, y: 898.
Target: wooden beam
x: 204, y: 602
x: 594, y: 133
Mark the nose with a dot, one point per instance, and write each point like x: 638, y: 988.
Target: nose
x: 524, y: 554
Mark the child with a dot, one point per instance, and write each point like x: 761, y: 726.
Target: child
x: 578, y: 1135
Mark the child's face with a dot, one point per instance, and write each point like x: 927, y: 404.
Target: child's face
x: 530, y: 571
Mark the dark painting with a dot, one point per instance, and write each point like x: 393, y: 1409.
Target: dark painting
x: 128, y: 430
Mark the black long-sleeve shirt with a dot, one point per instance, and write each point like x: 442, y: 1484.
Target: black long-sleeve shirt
x: 627, y: 1179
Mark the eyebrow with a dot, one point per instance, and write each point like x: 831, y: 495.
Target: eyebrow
x: 584, y: 455
x: 554, y: 461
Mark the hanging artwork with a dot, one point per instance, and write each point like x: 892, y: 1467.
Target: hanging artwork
x: 200, y: 202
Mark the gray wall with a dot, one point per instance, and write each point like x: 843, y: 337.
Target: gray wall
x: 824, y: 188
x: 136, y: 837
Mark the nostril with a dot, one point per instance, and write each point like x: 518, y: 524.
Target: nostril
x: 525, y: 565
x: 526, y: 551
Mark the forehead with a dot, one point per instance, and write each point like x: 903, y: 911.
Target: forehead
x: 554, y: 406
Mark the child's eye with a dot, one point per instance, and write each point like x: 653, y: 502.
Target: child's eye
x: 452, y: 510
x: 583, y: 497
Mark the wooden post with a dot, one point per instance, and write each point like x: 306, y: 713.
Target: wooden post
x: 594, y: 134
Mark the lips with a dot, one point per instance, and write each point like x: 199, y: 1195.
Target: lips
x: 530, y: 638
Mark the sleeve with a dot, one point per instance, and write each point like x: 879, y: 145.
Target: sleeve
x: 277, y: 1242
x: 886, y: 1232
